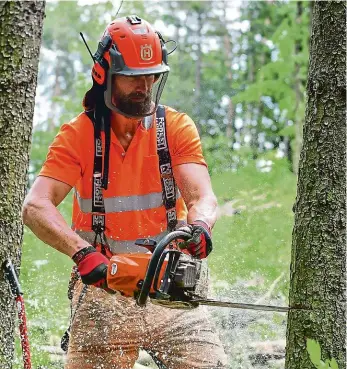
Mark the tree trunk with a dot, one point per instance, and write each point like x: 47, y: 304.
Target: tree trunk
x: 20, y: 39
x: 318, y: 269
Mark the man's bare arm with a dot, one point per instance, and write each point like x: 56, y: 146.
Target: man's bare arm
x: 194, y: 184
x: 43, y: 218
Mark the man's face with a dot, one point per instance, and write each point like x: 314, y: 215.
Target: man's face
x: 133, y: 95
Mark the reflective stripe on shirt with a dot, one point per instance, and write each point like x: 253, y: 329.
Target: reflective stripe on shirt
x: 119, y: 204
x: 120, y: 247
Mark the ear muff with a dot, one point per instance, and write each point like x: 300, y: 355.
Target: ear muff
x: 101, y: 64
x: 98, y: 74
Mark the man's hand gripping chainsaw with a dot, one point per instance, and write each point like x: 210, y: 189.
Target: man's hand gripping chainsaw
x: 164, y: 274
x: 168, y: 276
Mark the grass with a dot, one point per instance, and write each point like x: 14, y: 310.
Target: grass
x: 252, y: 246
x: 257, y: 240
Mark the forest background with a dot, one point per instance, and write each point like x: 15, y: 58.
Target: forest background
x: 239, y: 71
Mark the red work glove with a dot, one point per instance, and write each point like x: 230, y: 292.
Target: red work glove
x: 92, y: 266
x: 200, y: 245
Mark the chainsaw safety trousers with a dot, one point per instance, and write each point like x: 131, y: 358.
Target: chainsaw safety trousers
x: 108, y: 331
x: 133, y: 200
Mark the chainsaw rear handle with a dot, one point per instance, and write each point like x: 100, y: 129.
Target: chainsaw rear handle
x: 153, y: 263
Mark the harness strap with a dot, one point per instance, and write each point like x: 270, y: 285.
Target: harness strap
x: 167, y: 179
x: 107, y: 129
x: 98, y: 208
x: 101, y: 120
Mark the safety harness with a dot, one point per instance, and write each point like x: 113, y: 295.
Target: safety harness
x: 100, y: 177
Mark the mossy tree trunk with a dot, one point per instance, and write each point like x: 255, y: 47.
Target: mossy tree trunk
x: 318, y: 269
x: 20, y: 40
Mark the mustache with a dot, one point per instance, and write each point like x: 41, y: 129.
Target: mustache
x: 137, y: 95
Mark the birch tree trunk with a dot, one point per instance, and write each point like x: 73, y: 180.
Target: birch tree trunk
x: 20, y: 39
x: 318, y: 269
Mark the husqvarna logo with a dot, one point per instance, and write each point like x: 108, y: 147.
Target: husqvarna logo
x: 146, y: 52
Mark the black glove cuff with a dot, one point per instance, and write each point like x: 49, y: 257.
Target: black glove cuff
x: 82, y: 253
x: 202, y: 224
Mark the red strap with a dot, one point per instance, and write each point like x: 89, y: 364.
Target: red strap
x: 23, y: 332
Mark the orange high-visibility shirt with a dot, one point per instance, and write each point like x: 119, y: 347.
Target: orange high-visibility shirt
x: 133, y: 201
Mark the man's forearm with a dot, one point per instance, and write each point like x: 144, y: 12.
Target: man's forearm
x: 46, y: 222
x: 204, y: 209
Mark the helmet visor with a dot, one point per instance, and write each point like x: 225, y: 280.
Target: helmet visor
x: 134, y: 103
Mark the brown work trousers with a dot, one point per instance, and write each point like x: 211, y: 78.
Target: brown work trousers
x: 108, y: 331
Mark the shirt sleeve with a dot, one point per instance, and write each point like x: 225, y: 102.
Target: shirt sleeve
x: 63, y: 161
x: 184, y: 140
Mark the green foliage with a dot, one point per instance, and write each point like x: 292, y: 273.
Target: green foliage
x: 314, y: 350
x: 257, y: 73
x: 217, y: 153
x: 40, y: 141
x: 288, y: 131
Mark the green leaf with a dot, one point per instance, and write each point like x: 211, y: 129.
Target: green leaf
x: 333, y: 364
x: 288, y: 131
x: 314, y: 351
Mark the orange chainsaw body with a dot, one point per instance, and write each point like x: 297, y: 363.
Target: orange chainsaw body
x: 126, y: 271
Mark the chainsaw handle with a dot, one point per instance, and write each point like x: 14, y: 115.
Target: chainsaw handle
x: 153, y: 263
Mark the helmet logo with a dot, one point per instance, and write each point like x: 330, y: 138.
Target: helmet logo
x: 146, y: 52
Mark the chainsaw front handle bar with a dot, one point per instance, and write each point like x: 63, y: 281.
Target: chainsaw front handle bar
x: 152, y: 266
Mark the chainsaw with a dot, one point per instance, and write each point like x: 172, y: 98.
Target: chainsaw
x: 168, y: 276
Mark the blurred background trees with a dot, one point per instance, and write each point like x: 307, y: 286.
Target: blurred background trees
x: 239, y: 71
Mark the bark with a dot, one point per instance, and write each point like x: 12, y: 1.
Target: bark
x: 318, y: 269
x: 20, y: 39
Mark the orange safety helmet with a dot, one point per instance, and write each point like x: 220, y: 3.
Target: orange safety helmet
x: 131, y: 47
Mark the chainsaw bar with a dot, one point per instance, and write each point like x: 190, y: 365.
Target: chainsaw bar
x: 176, y: 287
x: 236, y: 305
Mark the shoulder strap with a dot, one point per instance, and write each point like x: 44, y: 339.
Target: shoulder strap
x: 98, y: 208
x: 167, y: 179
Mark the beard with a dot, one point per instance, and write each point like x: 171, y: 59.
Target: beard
x: 127, y: 105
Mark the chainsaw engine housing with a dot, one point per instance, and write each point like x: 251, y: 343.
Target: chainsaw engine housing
x: 183, y: 278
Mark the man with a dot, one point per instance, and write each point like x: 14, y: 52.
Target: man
x: 119, y: 156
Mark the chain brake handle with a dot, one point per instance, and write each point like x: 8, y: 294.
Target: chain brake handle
x: 162, y: 285
x: 155, y: 264
x: 148, y: 243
